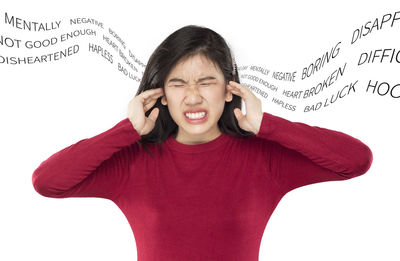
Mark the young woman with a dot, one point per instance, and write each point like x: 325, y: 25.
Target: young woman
x: 195, y: 177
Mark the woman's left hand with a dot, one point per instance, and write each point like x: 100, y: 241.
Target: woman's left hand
x: 252, y: 120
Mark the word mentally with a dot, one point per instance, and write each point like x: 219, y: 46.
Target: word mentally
x: 29, y: 25
x: 260, y: 69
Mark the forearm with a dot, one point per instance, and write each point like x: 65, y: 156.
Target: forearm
x: 330, y: 149
x: 65, y: 169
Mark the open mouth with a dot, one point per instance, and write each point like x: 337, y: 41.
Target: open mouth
x: 196, y: 117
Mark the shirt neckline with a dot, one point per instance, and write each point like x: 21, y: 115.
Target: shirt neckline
x: 195, y: 148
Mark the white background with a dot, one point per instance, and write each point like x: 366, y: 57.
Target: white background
x: 46, y: 107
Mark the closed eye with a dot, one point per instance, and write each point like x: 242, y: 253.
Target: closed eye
x: 202, y: 84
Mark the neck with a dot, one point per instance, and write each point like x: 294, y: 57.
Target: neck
x: 196, y: 139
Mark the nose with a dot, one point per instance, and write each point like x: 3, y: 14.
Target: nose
x: 192, y: 95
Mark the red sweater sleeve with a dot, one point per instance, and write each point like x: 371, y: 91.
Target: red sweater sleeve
x: 300, y: 154
x: 93, y: 167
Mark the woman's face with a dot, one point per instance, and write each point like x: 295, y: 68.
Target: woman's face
x: 196, y: 85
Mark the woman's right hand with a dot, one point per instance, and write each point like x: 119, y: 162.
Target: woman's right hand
x: 139, y: 105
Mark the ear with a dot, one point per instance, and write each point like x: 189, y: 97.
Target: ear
x: 228, y: 94
x: 164, y: 101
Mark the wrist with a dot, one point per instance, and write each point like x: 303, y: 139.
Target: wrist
x: 258, y: 126
x: 134, y: 126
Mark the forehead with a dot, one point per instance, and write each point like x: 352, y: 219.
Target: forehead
x: 195, y: 67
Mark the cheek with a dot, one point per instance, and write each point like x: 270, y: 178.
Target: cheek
x: 173, y: 103
x: 215, y: 96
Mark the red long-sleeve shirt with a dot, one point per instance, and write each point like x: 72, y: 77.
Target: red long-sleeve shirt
x: 207, y: 201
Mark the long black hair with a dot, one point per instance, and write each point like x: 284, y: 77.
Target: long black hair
x: 180, y: 45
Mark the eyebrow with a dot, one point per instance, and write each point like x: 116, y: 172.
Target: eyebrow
x: 199, y: 80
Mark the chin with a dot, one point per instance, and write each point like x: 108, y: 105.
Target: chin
x: 196, y: 129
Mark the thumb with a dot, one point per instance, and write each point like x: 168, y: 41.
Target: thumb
x: 154, y: 114
x: 238, y: 113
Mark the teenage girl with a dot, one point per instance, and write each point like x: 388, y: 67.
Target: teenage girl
x: 195, y: 177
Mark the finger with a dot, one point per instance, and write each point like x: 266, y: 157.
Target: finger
x: 151, y: 99
x: 238, y: 113
x: 153, y: 114
x: 238, y: 86
x: 151, y: 92
x: 236, y: 91
x: 234, y: 83
x: 243, y: 91
x: 148, y: 105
